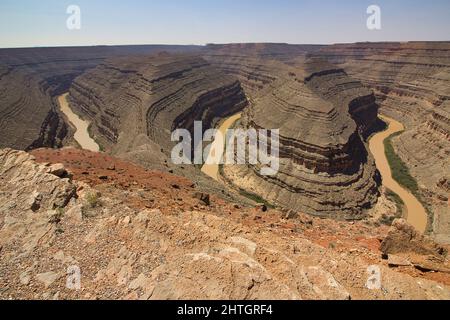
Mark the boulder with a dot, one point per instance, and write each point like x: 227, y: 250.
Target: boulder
x: 404, y: 238
x: 58, y: 170
x: 396, y: 261
x: 261, y: 207
x: 203, y: 197
x: 47, y: 278
x: 33, y: 186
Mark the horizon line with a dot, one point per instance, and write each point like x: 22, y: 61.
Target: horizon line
x: 218, y: 44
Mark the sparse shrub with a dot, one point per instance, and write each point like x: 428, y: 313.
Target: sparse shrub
x: 256, y: 198
x: 93, y: 200
x: 387, y: 220
x: 57, y: 215
x: 59, y: 230
x: 400, y: 171
x: 392, y: 196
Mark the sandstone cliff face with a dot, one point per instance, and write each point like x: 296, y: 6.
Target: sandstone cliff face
x: 124, y: 251
x: 412, y: 85
x: 323, y: 116
x: 139, y: 101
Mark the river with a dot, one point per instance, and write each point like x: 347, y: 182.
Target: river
x: 415, y: 213
x: 81, y: 127
x: 218, y: 145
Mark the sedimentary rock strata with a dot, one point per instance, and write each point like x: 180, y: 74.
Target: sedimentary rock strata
x: 29, y: 83
x: 27, y: 112
x: 323, y: 116
x: 412, y: 85
x: 267, y: 51
x: 30, y: 80
x: 257, y: 66
x: 134, y: 100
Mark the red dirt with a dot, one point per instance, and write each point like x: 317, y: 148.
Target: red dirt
x: 88, y: 167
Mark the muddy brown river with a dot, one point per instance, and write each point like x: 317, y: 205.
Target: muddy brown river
x: 218, y: 147
x: 82, y: 133
x: 415, y: 213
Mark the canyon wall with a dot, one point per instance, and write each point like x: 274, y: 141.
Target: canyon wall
x: 134, y: 101
x: 139, y: 101
x: 30, y: 80
x: 256, y: 65
x: 323, y: 116
x: 28, y: 110
x: 412, y: 85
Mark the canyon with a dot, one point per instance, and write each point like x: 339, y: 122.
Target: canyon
x: 411, y: 82
x: 135, y: 103
x: 134, y: 96
x: 31, y: 79
x: 325, y: 169
x: 331, y: 105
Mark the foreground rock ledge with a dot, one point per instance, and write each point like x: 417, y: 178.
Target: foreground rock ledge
x: 124, y: 253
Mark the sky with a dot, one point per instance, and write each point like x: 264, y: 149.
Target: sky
x: 30, y: 23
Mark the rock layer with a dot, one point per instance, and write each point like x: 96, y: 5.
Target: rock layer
x: 139, y: 101
x: 412, y: 85
x: 323, y: 116
x: 30, y: 81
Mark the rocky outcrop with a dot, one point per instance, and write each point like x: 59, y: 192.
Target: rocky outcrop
x: 45, y: 188
x: 405, y: 246
x: 403, y: 238
x: 412, y: 85
x: 114, y: 249
x: 323, y: 116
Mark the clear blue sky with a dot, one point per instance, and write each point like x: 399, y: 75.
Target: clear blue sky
x: 43, y: 23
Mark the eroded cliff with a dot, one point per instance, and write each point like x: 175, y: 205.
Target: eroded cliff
x: 137, y: 102
x: 322, y: 115
x: 412, y: 85
x: 32, y: 78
